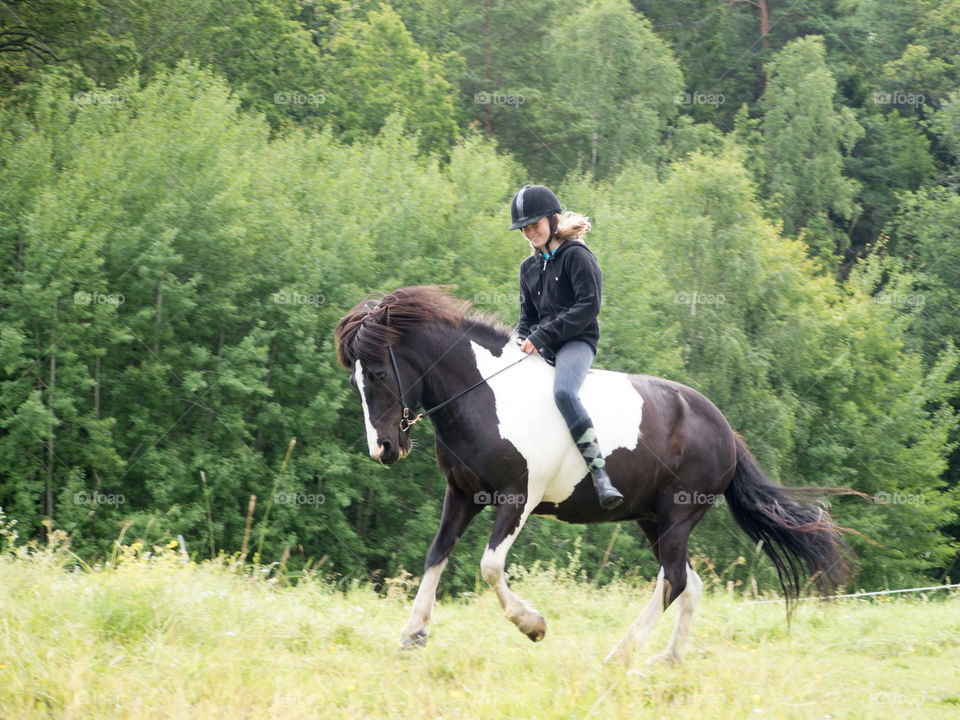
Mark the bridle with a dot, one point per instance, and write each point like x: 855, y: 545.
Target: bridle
x: 406, y: 422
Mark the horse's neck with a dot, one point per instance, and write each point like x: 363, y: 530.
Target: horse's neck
x: 447, y: 372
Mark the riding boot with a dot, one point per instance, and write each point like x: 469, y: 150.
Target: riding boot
x: 609, y: 496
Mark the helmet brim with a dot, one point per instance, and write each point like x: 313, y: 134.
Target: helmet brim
x: 523, y: 222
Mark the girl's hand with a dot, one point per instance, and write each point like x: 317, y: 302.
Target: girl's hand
x: 528, y: 347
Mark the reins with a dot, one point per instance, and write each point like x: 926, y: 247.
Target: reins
x: 406, y: 422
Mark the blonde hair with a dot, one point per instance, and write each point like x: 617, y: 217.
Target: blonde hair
x: 572, y: 226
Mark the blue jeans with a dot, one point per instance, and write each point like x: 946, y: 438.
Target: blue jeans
x: 573, y: 361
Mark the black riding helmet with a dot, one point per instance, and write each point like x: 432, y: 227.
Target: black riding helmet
x: 531, y: 203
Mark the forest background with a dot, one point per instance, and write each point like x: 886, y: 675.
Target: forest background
x: 192, y: 194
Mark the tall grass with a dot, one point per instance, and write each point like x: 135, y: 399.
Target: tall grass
x: 148, y: 636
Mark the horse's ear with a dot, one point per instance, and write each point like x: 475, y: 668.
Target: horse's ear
x: 386, y: 315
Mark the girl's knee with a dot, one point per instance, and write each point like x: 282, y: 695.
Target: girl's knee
x: 564, y: 397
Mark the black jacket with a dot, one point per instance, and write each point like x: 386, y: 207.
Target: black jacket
x: 560, y: 297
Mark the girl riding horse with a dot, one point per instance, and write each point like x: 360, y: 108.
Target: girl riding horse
x: 560, y: 285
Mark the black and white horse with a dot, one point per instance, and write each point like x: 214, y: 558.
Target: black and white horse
x: 501, y: 441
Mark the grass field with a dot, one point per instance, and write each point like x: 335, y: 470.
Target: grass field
x: 152, y: 638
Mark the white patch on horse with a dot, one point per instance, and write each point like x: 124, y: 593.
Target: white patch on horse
x: 528, y: 417
x: 372, y: 444
x: 423, y: 604
x: 688, y: 601
x: 517, y: 610
x: 641, y: 627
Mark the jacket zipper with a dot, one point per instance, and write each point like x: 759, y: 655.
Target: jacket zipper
x: 543, y: 270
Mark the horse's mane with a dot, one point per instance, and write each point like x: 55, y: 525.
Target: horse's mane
x: 364, y: 332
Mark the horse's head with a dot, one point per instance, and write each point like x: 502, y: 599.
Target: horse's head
x: 388, y: 381
x: 388, y: 439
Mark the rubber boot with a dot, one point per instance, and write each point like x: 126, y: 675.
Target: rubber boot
x: 609, y: 496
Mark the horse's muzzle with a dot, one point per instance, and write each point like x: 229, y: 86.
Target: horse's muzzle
x: 388, y: 453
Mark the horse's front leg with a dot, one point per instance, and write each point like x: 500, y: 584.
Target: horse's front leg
x: 458, y: 511
x: 509, y: 521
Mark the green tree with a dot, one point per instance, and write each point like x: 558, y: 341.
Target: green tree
x: 800, y: 158
x: 894, y: 155
x: 504, y: 72
x: 374, y: 69
x: 234, y: 256
x: 258, y: 45
x: 923, y: 235
x: 929, y: 66
x: 235, y: 249
x: 946, y: 125
x: 603, y: 110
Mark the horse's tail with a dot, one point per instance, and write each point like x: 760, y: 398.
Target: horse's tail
x: 800, y: 539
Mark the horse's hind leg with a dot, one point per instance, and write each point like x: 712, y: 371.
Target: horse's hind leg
x: 668, y: 537
x: 687, y: 601
x: 509, y: 521
x: 686, y: 586
x: 642, y: 626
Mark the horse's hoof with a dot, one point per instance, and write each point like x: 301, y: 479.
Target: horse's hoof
x: 537, y: 630
x: 417, y: 640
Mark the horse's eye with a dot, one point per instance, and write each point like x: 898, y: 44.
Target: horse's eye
x: 380, y: 377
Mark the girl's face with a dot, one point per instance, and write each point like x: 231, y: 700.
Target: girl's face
x: 538, y: 233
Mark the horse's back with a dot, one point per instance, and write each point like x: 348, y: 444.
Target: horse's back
x: 655, y: 421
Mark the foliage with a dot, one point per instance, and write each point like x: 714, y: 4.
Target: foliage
x: 191, y: 197
x: 258, y: 45
x: 374, y: 69
x: 609, y: 112
x: 804, y: 139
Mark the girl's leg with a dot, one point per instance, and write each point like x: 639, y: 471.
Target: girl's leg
x: 573, y: 361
